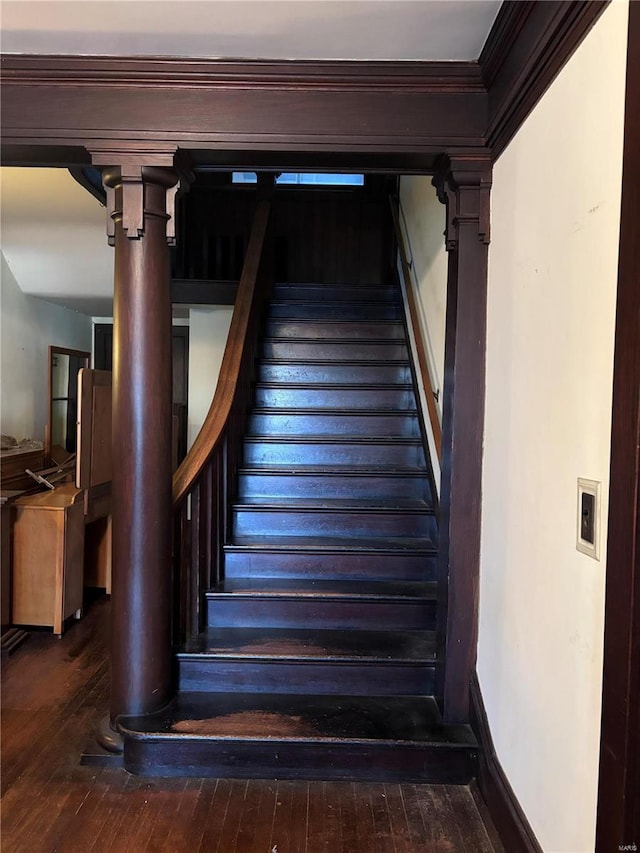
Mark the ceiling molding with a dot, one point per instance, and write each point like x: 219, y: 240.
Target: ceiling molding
x: 275, y: 75
x: 528, y: 45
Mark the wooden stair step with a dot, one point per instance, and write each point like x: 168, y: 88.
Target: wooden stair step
x: 365, y: 293
x: 336, y: 604
x: 333, y: 517
x: 333, y: 372
x: 409, y: 559
x: 381, y: 397
x: 317, y: 450
x: 332, y: 481
x: 344, y: 310
x: 337, y: 350
x: 282, y: 660
x: 267, y: 735
x: 332, y: 422
x: 336, y: 330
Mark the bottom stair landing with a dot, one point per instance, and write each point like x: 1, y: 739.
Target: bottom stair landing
x: 247, y: 735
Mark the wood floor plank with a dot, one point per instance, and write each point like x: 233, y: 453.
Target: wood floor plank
x: 215, y: 816
x: 398, y: 819
x: 54, y: 693
x: 250, y: 811
x: 348, y: 819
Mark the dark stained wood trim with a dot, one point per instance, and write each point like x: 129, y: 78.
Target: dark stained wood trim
x: 279, y: 75
x: 528, y: 45
x: 619, y: 785
x: 98, y: 102
x: 463, y: 184
x: 506, y: 813
x: 203, y: 292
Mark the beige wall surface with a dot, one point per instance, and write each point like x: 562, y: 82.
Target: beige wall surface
x: 423, y: 222
x: 28, y: 326
x: 208, y: 330
x: 551, y: 310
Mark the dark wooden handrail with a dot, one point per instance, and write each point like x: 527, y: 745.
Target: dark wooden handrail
x: 201, y: 485
x: 414, y: 319
x: 213, y: 427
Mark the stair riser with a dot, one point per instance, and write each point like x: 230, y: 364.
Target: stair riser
x: 334, y: 293
x: 336, y: 398
x: 334, y: 373
x: 233, y: 759
x: 237, y: 611
x: 333, y: 330
x: 256, y: 522
x: 310, y: 453
x: 332, y: 350
x: 301, y: 677
x: 256, y: 485
x: 334, y: 424
x: 352, y: 565
x: 294, y: 310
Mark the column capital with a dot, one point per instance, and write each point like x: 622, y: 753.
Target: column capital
x: 141, y: 184
x: 463, y: 184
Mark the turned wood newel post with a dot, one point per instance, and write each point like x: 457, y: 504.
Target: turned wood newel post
x: 140, y: 201
x: 464, y: 185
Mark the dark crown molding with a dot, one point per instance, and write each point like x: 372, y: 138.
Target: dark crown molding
x: 284, y: 75
x: 528, y: 45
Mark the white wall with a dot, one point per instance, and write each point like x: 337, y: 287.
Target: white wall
x: 423, y: 222
x: 208, y: 330
x: 551, y: 306
x: 28, y: 326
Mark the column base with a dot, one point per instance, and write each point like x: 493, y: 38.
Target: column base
x: 108, y: 738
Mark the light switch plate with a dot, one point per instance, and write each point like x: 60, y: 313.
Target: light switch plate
x: 588, y: 520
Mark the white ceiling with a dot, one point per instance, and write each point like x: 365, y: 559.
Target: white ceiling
x: 251, y: 29
x: 54, y: 239
x: 53, y: 231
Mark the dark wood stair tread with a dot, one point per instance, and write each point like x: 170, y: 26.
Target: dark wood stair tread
x: 300, y: 718
x: 335, y: 439
x: 344, y: 470
x: 322, y: 645
x: 333, y: 543
x: 334, y: 504
x: 316, y: 588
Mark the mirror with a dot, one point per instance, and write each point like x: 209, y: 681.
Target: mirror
x: 64, y: 364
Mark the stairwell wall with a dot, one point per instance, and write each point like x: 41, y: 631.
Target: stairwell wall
x: 208, y: 331
x: 550, y: 339
x: 423, y: 223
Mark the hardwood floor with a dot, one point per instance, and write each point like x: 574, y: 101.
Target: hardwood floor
x: 53, y: 691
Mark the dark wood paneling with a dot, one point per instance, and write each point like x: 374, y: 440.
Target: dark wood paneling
x: 464, y: 185
x: 528, y: 45
x: 505, y: 810
x: 301, y: 106
x: 619, y: 788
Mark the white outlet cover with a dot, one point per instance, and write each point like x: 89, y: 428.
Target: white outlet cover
x: 589, y: 487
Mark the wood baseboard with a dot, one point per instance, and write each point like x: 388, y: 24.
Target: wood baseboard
x: 506, y: 813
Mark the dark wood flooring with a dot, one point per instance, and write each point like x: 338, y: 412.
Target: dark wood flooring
x: 53, y: 691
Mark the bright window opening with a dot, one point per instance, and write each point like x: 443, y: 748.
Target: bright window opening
x: 304, y: 179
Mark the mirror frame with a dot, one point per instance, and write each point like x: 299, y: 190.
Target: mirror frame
x: 53, y: 351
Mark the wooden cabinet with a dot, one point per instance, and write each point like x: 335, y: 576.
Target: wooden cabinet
x: 48, y: 557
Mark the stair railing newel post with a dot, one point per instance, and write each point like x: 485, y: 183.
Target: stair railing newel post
x: 141, y: 189
x: 463, y: 184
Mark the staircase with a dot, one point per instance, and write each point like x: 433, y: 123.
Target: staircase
x: 319, y: 657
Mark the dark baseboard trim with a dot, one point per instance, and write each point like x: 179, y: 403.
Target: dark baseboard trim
x: 506, y: 813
